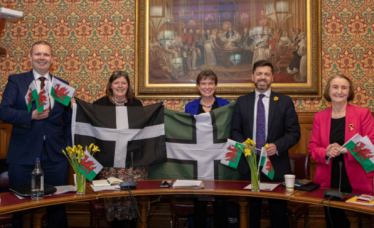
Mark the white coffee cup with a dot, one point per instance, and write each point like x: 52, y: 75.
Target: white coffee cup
x: 290, y: 181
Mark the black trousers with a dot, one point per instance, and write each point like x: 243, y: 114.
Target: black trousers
x: 278, y: 213
x: 200, y: 214
x: 338, y: 218
x: 55, y: 173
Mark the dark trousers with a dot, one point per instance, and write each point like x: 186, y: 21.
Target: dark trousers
x: 338, y: 218
x: 200, y: 214
x: 55, y: 173
x: 278, y: 213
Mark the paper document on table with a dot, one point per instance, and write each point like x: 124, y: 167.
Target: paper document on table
x: 64, y: 189
x: 188, y: 184
x: 264, y: 186
x: 104, y: 188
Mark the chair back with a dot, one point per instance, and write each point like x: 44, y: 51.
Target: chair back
x: 4, y: 181
x: 300, y: 165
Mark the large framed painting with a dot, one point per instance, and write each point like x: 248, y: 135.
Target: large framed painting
x: 177, y: 39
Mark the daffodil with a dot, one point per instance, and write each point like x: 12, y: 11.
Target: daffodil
x: 247, y: 152
x: 266, y: 146
x: 95, y: 149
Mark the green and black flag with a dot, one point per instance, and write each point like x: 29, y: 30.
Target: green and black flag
x: 120, y: 131
x: 195, y: 145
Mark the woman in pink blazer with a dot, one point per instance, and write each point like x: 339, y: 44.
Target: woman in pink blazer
x: 331, y: 129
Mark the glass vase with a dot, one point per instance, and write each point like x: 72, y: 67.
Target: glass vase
x: 80, y: 184
x: 255, y: 182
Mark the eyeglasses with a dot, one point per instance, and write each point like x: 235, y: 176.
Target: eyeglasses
x: 123, y: 73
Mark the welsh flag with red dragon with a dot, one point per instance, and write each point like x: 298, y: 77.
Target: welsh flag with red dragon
x: 362, y: 150
x: 233, y: 151
x: 267, y: 167
x: 61, y: 92
x: 89, y: 166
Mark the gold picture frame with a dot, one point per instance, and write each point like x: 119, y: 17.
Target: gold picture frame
x: 146, y: 89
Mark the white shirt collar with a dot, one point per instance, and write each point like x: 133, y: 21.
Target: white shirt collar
x: 37, y: 75
x: 267, y: 93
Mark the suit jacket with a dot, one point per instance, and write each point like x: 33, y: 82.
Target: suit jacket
x: 357, y: 120
x: 193, y: 106
x: 26, y: 140
x: 283, y: 130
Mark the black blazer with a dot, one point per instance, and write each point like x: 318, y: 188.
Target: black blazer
x: 283, y: 131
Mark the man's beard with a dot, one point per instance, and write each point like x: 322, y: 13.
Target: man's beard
x: 267, y: 85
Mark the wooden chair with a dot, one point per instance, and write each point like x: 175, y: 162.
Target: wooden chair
x: 5, y: 220
x: 97, y: 212
x: 300, y: 166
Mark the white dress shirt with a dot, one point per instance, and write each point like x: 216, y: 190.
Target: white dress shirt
x: 47, y: 83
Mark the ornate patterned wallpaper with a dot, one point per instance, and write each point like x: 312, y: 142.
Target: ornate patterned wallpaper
x: 92, y: 38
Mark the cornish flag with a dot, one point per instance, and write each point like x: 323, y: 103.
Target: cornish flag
x: 61, y: 92
x: 362, y: 150
x: 89, y: 166
x: 126, y: 136
x: 194, y: 145
x: 267, y: 167
x: 31, y: 95
x: 232, y: 152
x: 42, y: 101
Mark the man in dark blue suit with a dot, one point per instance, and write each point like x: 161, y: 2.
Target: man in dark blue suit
x: 266, y: 117
x: 36, y: 135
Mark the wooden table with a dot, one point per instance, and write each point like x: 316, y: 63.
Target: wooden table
x: 316, y: 196
x: 11, y: 203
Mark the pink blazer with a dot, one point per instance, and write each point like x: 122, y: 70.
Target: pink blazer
x: 357, y: 120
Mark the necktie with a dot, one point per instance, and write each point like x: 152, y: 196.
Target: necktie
x: 42, y: 84
x: 260, y: 124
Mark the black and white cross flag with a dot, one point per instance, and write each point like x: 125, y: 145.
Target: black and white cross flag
x: 120, y: 130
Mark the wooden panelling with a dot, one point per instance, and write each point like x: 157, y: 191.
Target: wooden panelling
x: 5, y: 131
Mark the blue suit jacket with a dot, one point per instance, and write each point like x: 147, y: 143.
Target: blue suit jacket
x: 26, y: 140
x: 283, y: 130
x: 193, y: 106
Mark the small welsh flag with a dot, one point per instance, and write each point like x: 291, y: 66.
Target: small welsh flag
x: 42, y: 101
x: 61, y: 92
x: 267, y: 167
x: 233, y: 151
x: 89, y: 166
x: 362, y: 150
x: 31, y: 95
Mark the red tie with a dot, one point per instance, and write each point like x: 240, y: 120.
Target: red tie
x: 42, y: 84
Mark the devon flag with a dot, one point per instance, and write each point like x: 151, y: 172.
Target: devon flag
x: 61, y: 92
x: 195, y: 145
x: 89, y: 166
x: 31, y: 95
x: 362, y: 150
x: 126, y: 136
x: 232, y: 152
x: 267, y: 167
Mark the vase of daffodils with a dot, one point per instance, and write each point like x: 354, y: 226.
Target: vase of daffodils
x: 251, y: 156
x: 75, y: 155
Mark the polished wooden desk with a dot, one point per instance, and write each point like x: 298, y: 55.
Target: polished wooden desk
x: 212, y: 188
x: 316, y: 196
x: 11, y: 203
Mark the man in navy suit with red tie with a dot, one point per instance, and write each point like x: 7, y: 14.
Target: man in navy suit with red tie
x: 35, y: 135
x: 266, y: 117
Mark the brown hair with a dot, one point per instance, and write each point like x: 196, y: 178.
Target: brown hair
x: 40, y: 43
x: 326, y: 93
x: 117, y: 74
x: 206, y: 74
x: 262, y: 63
